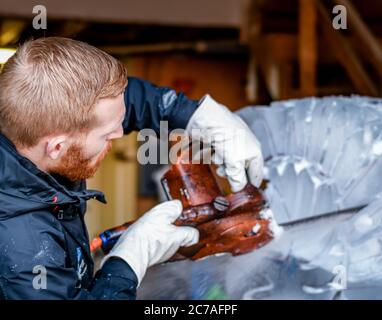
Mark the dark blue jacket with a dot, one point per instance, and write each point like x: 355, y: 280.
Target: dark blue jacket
x: 44, y: 245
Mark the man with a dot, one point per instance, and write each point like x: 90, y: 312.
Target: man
x: 62, y: 102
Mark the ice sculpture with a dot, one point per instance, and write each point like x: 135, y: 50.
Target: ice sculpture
x: 320, y: 155
x: 328, y: 149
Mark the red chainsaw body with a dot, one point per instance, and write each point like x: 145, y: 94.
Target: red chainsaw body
x: 227, y: 222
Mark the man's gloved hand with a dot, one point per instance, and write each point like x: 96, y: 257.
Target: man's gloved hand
x: 153, y: 238
x: 236, y: 147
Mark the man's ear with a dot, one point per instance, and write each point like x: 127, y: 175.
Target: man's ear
x: 56, y: 146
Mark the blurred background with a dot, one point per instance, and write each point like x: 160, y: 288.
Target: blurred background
x: 242, y: 52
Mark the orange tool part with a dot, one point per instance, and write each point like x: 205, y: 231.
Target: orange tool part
x: 227, y: 223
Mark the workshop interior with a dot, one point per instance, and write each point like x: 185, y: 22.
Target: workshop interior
x: 306, y: 77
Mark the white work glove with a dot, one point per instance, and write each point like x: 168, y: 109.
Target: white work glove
x: 153, y: 238
x: 237, y: 149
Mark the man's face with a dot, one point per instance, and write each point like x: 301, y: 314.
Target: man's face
x: 85, y: 154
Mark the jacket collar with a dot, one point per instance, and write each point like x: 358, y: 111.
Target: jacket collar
x: 24, y: 187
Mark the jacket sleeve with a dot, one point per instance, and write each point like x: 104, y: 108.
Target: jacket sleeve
x: 115, y: 281
x: 147, y: 105
x: 33, y: 266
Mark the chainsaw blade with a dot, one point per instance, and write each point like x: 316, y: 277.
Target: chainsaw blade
x: 324, y: 216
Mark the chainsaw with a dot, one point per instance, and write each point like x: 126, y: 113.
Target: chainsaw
x: 228, y: 222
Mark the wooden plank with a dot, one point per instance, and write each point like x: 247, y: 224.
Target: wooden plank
x: 307, y: 47
x: 259, y: 53
x: 345, y: 55
x: 118, y: 179
x: 245, y: 24
x: 284, y: 47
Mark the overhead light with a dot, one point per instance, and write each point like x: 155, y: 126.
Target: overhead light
x: 5, y: 54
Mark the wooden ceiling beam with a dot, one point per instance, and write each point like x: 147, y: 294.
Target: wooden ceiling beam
x: 307, y: 47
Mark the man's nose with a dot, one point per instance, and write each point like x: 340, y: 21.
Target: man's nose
x: 117, y: 134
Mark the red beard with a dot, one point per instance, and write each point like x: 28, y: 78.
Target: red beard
x: 76, y: 166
